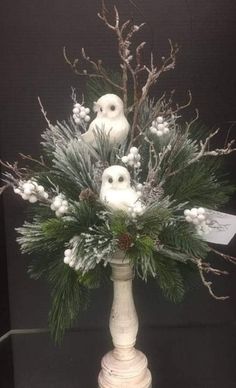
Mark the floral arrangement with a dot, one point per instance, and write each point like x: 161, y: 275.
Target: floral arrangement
x: 137, y: 179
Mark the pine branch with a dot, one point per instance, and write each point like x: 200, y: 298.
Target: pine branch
x: 169, y: 279
x: 68, y: 297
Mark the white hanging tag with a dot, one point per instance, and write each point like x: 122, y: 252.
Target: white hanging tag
x: 223, y: 227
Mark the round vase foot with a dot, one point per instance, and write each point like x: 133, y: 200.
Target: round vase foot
x: 132, y: 373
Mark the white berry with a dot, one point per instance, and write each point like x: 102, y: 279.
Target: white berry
x: 33, y: 198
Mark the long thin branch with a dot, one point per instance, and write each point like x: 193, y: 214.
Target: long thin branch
x: 231, y: 259
x: 99, y: 71
x: 4, y: 187
x: 204, y: 152
x: 41, y: 162
x: 44, y: 113
x: 205, y: 267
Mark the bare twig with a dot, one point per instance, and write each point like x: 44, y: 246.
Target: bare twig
x: 99, y: 71
x: 181, y: 107
x: 19, y: 172
x: 204, y: 145
x: 226, y: 257
x: 205, y: 267
x: 44, y: 113
x: 41, y: 162
x: 4, y: 187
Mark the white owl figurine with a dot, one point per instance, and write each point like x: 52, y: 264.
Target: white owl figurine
x: 116, y: 190
x: 110, y: 118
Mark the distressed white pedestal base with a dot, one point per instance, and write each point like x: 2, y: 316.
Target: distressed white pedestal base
x: 124, y: 366
x: 124, y: 373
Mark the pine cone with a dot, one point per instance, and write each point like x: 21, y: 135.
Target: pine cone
x: 125, y: 241
x: 88, y: 195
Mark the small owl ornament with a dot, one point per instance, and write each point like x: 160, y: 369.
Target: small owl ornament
x: 110, y: 118
x: 117, y: 193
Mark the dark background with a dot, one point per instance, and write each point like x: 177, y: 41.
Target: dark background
x: 192, y: 345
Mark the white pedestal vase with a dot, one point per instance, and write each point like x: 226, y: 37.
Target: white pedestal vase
x: 124, y: 366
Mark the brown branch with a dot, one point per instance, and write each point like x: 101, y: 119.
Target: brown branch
x: 19, y: 172
x: 41, y: 162
x: 231, y: 259
x: 205, y: 267
x: 97, y: 66
x: 204, y: 152
x: 4, y: 187
x: 44, y: 113
x: 187, y: 104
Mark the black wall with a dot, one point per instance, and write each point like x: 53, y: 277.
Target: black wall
x: 192, y: 345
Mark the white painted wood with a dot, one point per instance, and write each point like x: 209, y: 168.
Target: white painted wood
x: 124, y: 366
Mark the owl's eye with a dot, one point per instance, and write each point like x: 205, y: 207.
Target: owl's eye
x: 100, y: 109
x: 113, y: 107
x: 110, y: 180
x: 121, y: 179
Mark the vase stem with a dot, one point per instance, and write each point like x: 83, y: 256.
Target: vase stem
x: 124, y: 366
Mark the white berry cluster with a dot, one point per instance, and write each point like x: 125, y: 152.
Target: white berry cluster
x: 159, y: 126
x: 198, y: 217
x: 69, y: 257
x: 133, y: 158
x: 136, y: 210
x: 59, y: 205
x: 81, y: 114
x: 31, y: 191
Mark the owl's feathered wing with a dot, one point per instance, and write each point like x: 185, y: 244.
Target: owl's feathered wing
x: 117, y: 129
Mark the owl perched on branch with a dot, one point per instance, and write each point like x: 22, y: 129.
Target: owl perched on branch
x: 110, y: 119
